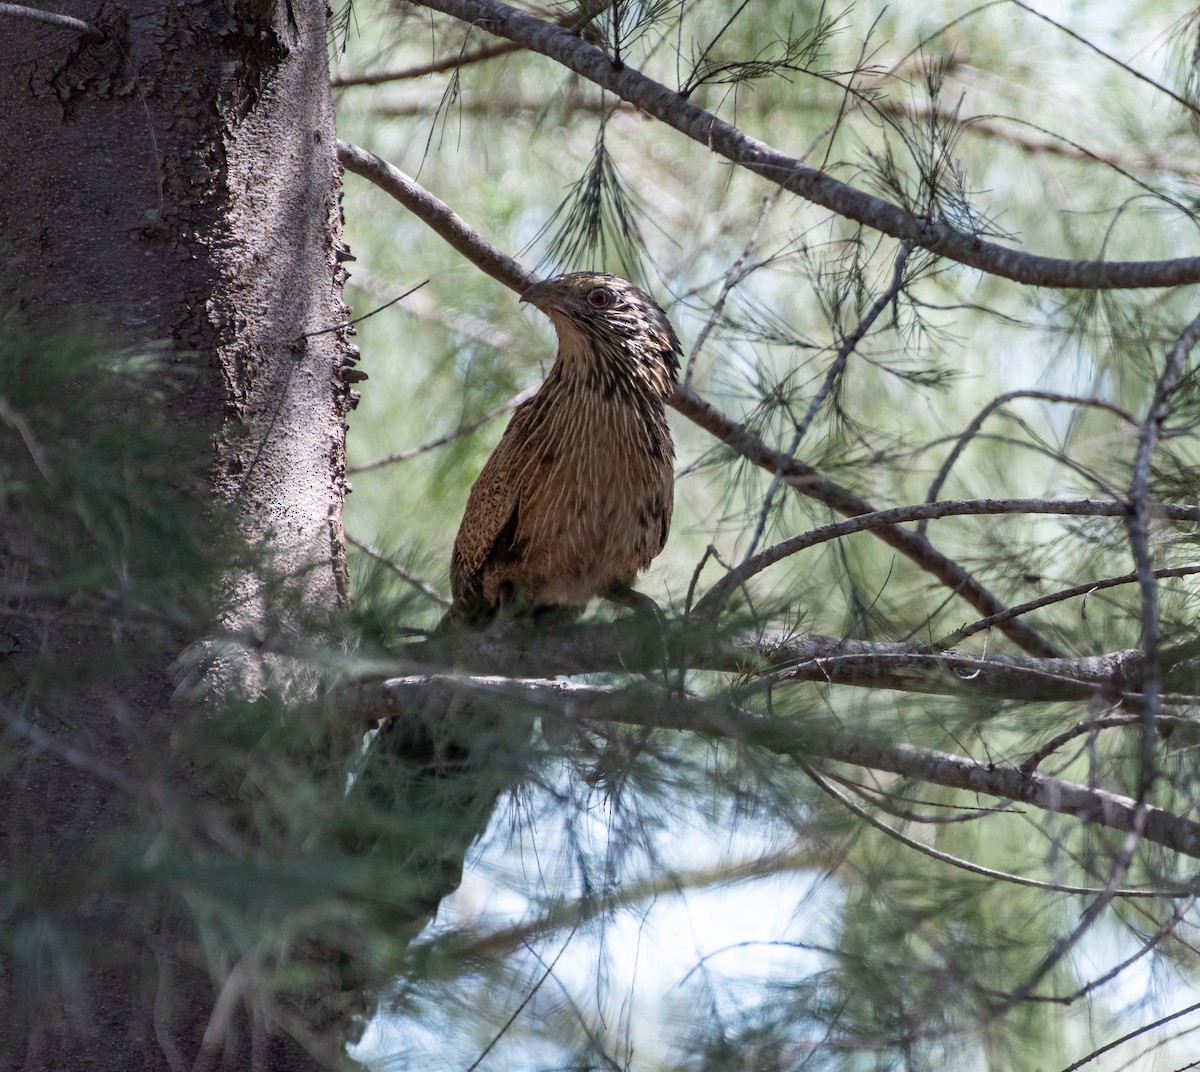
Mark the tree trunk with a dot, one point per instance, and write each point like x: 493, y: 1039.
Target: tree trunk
x: 173, y: 188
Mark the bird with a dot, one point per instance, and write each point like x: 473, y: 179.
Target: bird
x: 576, y: 499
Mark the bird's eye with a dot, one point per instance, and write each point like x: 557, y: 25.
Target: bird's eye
x: 599, y: 298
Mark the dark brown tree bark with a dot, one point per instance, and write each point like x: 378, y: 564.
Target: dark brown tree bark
x: 172, y: 188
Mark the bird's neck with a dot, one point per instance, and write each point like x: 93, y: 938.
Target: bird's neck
x: 611, y: 368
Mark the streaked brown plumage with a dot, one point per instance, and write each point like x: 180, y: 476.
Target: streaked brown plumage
x: 576, y: 499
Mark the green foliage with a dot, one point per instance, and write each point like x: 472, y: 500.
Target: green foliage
x: 247, y: 831
x: 112, y: 512
x: 596, y: 226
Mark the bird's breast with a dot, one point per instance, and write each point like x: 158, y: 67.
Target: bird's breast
x: 596, y: 495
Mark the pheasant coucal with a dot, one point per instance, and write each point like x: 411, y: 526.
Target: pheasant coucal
x: 576, y: 499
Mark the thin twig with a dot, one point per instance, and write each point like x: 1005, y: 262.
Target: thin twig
x: 959, y: 635
x: 732, y: 278
x: 1134, y: 833
x: 717, y: 596
x: 68, y: 752
x: 972, y: 429
x: 449, y: 437
x: 1034, y: 444
x: 400, y: 571
x: 358, y: 319
x: 1090, y: 726
x: 221, y: 1018
x: 451, y: 63
x: 527, y: 999
x: 957, y: 861
x: 1131, y: 1035
x: 851, y: 341
x: 1178, y: 98
x: 17, y: 420
x: 882, y: 800
x: 832, y: 376
x: 1164, y: 929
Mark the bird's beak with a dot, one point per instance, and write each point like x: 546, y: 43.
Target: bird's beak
x: 539, y: 294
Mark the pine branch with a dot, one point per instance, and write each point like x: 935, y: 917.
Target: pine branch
x: 938, y: 236
x: 714, y: 601
x: 808, y: 481
x: 581, y: 703
x: 596, y: 225
x: 1141, y: 513
x: 775, y: 657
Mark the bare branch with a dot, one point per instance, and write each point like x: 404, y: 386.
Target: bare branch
x: 437, y: 214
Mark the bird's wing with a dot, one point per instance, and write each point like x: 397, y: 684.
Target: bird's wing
x: 490, y: 519
x: 488, y: 533
x: 668, y: 510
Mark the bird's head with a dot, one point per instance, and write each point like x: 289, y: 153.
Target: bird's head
x: 608, y: 327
